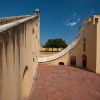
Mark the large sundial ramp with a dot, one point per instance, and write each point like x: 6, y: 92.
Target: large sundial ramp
x: 66, y: 50
x: 19, y: 49
x: 84, y: 51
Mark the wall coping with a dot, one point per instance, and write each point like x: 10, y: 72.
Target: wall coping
x: 12, y: 24
x: 15, y: 16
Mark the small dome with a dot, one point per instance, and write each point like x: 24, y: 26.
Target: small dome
x: 37, y: 11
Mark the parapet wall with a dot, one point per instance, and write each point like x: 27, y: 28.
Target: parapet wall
x: 46, y: 54
x: 6, y: 20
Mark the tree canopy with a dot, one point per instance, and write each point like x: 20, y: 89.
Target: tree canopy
x: 55, y: 43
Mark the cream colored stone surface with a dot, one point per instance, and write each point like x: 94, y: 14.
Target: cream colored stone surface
x: 46, y: 54
x: 18, y: 48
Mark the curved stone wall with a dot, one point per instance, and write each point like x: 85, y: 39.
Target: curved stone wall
x: 66, y: 50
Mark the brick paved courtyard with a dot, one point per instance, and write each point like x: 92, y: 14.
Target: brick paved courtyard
x: 65, y: 83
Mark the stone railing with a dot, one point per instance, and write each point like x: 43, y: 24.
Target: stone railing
x: 66, y: 50
x: 12, y: 24
x: 6, y: 20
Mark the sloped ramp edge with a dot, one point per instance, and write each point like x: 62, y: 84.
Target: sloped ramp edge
x: 12, y: 24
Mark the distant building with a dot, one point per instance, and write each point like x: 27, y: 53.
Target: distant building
x: 45, y: 52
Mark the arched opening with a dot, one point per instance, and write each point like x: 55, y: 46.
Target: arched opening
x: 73, y: 61
x: 61, y: 63
x: 25, y: 82
x: 84, y: 61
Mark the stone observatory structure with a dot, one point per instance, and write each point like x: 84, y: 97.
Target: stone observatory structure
x: 84, y: 51
x: 19, y: 49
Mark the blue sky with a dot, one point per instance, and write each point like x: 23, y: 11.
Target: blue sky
x: 58, y: 18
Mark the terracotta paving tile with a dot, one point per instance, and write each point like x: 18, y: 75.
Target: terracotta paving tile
x: 65, y: 83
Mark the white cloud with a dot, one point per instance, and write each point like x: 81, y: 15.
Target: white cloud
x: 72, y: 19
x: 74, y: 14
x: 72, y: 24
x: 78, y: 19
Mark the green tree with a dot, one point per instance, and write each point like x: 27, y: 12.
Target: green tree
x: 55, y: 43
x: 49, y: 44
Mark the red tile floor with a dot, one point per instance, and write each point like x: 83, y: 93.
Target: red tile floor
x: 65, y: 83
